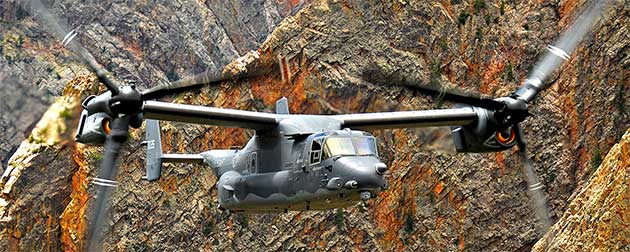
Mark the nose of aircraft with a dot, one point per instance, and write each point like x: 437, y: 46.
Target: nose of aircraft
x: 367, y: 171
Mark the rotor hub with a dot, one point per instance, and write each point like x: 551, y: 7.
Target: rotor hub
x: 128, y: 101
x: 514, y: 112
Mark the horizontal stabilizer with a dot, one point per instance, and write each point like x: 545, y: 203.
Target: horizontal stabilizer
x: 182, y: 158
x: 155, y: 157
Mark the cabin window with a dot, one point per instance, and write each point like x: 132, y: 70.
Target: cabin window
x: 316, y: 150
x: 253, y: 166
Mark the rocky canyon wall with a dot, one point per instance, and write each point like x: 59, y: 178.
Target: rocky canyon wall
x: 438, y: 200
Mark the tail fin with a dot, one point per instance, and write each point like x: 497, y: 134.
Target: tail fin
x: 282, y: 106
x: 155, y: 157
x: 154, y: 150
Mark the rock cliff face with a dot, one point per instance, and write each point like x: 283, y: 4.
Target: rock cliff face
x: 597, y: 218
x: 437, y: 201
x: 15, y: 123
x: 145, y: 42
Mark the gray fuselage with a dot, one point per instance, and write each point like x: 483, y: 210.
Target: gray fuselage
x: 276, y: 171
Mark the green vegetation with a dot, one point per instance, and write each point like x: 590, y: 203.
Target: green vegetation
x: 435, y: 73
x: 462, y: 17
x: 552, y: 177
x: 478, y: 34
x: 409, y: 223
x: 11, y: 46
x: 138, y: 247
x: 130, y: 136
x: 509, y: 72
x: 479, y: 5
x: 258, y: 104
x: 621, y: 101
x: 443, y: 44
x: 243, y: 220
x: 405, y: 241
x: 364, y: 206
x: 96, y: 158
x: 207, y: 227
x: 596, y: 159
x: 455, y: 241
x: 43, y: 131
x: 65, y: 114
x: 526, y: 27
x: 502, y: 7
x: 20, y: 13
x: 339, y: 218
x: 434, y: 79
x: 488, y: 19
x: 32, y: 139
x: 172, y: 75
x: 39, y: 149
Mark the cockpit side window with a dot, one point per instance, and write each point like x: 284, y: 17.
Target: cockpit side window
x: 253, y: 168
x: 316, y: 151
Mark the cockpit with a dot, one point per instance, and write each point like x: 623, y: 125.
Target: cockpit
x: 339, y: 145
x: 335, y: 146
x: 346, y: 159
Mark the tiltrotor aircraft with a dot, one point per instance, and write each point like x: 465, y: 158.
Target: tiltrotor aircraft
x: 302, y: 162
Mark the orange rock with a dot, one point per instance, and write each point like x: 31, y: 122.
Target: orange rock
x: 597, y: 218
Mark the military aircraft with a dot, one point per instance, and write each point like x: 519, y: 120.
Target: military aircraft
x: 297, y: 162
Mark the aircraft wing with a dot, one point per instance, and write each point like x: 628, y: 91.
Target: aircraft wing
x: 209, y: 115
x: 263, y: 121
x: 408, y: 119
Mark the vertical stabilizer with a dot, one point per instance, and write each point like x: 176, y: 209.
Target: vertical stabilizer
x: 282, y: 106
x: 154, y: 150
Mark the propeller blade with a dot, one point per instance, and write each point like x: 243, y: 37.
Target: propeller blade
x: 207, y: 78
x: 534, y: 185
x: 105, y: 180
x: 561, y: 51
x: 52, y: 24
x: 440, y: 92
x: 195, y: 82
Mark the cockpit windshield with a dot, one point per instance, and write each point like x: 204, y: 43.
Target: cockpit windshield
x: 365, y: 145
x: 349, y: 146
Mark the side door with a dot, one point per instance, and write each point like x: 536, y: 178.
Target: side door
x: 307, y: 169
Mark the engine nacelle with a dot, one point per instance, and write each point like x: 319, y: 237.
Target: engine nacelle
x: 484, y: 136
x: 93, y: 129
x: 95, y: 119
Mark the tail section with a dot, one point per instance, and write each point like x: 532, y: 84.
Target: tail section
x: 154, y: 150
x: 155, y: 156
